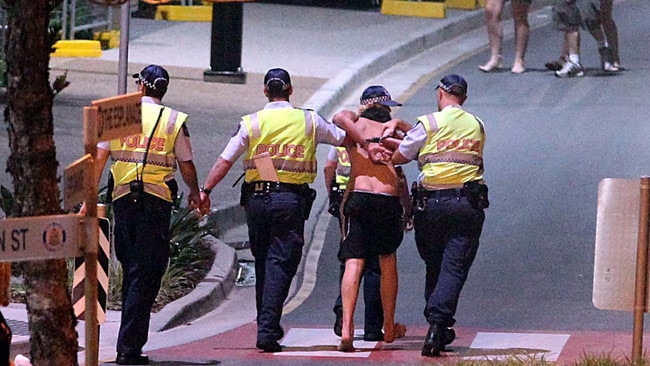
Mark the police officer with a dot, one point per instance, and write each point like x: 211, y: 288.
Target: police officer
x: 276, y: 210
x: 448, y: 146
x: 142, y: 187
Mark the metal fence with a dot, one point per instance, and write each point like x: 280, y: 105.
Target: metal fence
x: 83, y: 15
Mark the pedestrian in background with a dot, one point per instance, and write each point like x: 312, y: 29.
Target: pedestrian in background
x: 569, y: 17
x: 279, y: 147
x: 493, y: 11
x: 143, y: 188
x: 451, y: 198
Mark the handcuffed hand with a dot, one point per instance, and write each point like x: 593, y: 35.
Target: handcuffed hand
x: 378, y: 153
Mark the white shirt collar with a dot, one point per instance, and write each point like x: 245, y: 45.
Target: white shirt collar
x: 276, y: 105
x: 148, y: 100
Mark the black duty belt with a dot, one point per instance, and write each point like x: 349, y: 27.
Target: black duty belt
x: 451, y: 192
x: 267, y: 187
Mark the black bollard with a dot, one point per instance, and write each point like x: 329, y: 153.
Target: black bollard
x: 226, y: 44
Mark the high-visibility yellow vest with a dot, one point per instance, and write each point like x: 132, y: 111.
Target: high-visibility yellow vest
x: 289, y: 136
x: 453, y: 152
x: 342, y: 167
x: 128, y: 153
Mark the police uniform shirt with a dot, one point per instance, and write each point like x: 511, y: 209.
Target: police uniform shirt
x: 413, y: 141
x: 326, y: 133
x: 332, y: 155
x: 182, y: 145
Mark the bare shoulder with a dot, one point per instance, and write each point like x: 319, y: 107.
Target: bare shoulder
x: 369, y: 127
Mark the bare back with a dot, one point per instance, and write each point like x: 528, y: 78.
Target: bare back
x: 365, y: 175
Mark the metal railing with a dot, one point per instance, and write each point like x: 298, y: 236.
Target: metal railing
x: 87, y: 16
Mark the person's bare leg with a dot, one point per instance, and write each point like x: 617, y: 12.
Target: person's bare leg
x: 572, y: 40
x: 522, y: 33
x: 493, y: 11
x: 610, y: 29
x: 349, y: 295
x: 388, y: 291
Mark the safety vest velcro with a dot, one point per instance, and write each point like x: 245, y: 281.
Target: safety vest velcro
x: 342, y: 167
x: 288, y: 135
x: 128, y: 153
x: 453, y: 152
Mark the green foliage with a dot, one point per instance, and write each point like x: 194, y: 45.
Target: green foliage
x: 7, y: 201
x: 530, y: 360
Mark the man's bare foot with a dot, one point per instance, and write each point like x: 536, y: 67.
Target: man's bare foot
x: 398, y: 331
x: 346, y: 346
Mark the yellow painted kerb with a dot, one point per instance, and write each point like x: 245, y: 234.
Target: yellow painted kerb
x: 462, y: 4
x: 197, y: 13
x: 425, y: 9
x: 77, y: 48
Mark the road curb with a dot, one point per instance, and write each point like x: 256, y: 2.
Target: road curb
x: 207, y: 295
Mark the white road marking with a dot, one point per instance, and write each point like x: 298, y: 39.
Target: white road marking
x: 322, y: 338
x: 548, y: 346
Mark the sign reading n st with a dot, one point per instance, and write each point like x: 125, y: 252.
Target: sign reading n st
x: 118, y: 116
x: 40, y: 237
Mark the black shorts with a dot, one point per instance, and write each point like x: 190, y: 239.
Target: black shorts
x: 372, y: 224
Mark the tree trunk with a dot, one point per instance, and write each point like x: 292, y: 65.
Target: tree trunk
x: 33, y: 166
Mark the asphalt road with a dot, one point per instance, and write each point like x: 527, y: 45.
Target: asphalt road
x: 549, y: 143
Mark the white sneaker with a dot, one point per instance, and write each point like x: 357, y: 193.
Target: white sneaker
x: 606, y: 62
x: 570, y: 69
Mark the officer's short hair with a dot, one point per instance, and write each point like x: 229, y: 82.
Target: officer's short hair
x: 277, y: 82
x: 453, y: 84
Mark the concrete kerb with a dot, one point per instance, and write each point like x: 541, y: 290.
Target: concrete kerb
x: 207, y: 295
x: 336, y: 90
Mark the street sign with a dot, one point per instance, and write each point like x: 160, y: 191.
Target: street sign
x: 118, y: 116
x: 40, y: 237
x: 76, y: 179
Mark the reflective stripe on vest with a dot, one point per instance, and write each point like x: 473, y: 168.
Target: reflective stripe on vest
x: 342, y: 167
x: 128, y: 153
x: 288, y: 135
x: 453, y: 152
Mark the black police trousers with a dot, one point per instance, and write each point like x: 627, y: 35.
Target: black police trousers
x: 141, y: 236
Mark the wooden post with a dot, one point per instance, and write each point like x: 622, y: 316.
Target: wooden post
x: 92, y: 242
x: 641, y: 284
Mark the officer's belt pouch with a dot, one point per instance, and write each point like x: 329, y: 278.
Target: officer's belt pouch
x: 335, y: 198
x: 308, y: 196
x: 109, y: 188
x: 173, y: 188
x: 244, y: 191
x: 477, y: 194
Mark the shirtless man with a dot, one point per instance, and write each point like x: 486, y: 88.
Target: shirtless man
x: 372, y: 224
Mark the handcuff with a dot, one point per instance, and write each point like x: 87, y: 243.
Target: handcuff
x: 376, y: 139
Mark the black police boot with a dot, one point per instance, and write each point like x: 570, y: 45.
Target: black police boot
x: 434, y: 341
x: 450, y: 335
x: 338, y: 323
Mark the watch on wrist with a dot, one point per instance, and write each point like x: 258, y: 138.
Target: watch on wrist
x: 204, y: 190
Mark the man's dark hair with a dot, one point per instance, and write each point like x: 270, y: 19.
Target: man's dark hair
x: 155, y: 93
x: 377, y: 113
x: 278, y: 93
